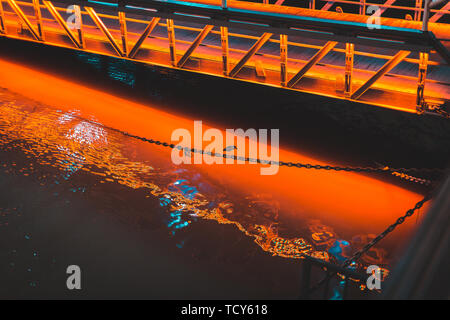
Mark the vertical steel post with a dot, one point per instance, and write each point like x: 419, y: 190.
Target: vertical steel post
x: 362, y: 7
x: 418, y: 12
x: 38, y: 15
x: 423, y: 65
x: 283, y: 59
x: 224, y: 41
x: 79, y: 24
x: 123, y: 32
x: 23, y: 20
x: 265, y: 1
x: 426, y: 16
x: 171, y: 35
x: 349, y: 59
x: 312, y: 4
x: 2, y: 19
x: 99, y: 23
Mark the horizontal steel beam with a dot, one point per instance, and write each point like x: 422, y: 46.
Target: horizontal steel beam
x: 272, y: 22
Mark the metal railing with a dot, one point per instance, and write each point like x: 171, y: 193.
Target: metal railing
x: 99, y: 21
x: 415, y: 10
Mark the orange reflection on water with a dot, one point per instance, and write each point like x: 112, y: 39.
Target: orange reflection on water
x: 346, y: 200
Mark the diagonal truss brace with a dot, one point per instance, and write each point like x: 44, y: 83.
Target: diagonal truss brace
x: 2, y: 19
x: 388, y: 66
x: 386, y: 6
x: 250, y: 53
x: 327, y: 6
x: 104, y: 29
x: 201, y: 36
x: 439, y: 14
x: 22, y: 16
x: 51, y: 8
x: 315, y: 59
x: 153, y: 23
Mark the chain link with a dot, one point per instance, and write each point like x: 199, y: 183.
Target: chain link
x: 411, y: 178
x: 394, y: 171
x: 357, y: 255
x: 391, y: 228
x: 379, y: 169
x: 443, y: 113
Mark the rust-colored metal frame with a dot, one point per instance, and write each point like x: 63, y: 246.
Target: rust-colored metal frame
x: 122, y: 50
x: 51, y: 8
x: 416, y: 7
x: 2, y: 19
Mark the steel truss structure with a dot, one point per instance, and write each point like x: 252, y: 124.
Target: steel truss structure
x: 270, y: 47
x: 415, y: 9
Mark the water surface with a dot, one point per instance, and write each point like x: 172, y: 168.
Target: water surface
x: 76, y: 192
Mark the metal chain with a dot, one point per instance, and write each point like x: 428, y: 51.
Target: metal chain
x: 269, y: 162
x: 391, y: 228
x: 357, y: 255
x: 443, y: 113
x: 411, y: 178
x: 378, y: 169
x: 394, y: 171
